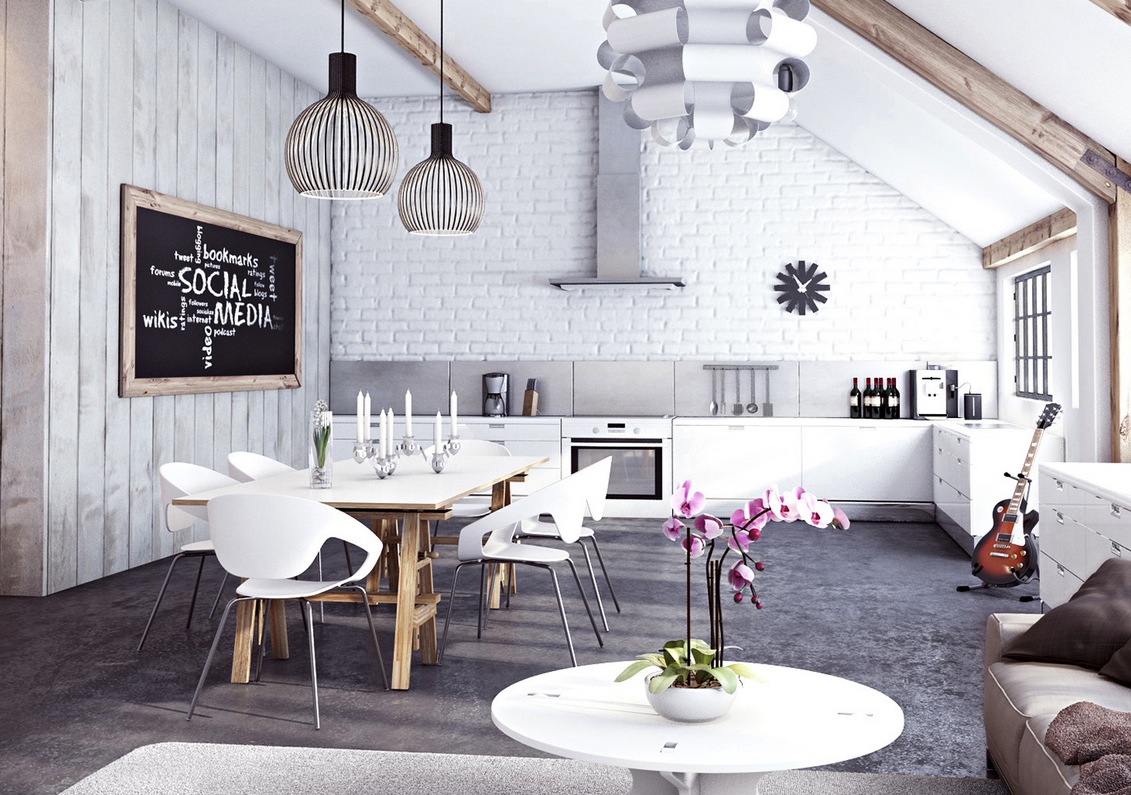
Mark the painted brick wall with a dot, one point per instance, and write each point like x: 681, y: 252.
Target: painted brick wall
x: 904, y: 285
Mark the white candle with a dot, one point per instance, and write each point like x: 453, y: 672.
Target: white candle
x: 438, y: 433
x: 368, y: 417
x: 360, y: 417
x: 407, y: 413
x: 452, y: 411
x: 383, y: 435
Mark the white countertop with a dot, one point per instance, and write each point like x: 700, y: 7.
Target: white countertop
x: 1110, y: 481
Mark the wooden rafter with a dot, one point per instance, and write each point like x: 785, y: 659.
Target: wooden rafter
x: 1119, y: 301
x: 1034, y: 237
x: 391, y: 21
x: 983, y: 92
x: 1120, y: 9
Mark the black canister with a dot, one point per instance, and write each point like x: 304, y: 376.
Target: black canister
x: 972, y: 406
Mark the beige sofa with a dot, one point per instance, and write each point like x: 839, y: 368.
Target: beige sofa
x: 1022, y: 698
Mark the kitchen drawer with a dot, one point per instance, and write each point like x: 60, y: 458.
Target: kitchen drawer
x: 1064, y: 539
x: 1097, y: 549
x: 954, y: 470
x: 1056, y: 491
x: 1057, y: 583
x: 523, y: 447
x: 505, y: 432
x: 949, y: 501
x: 1110, y: 519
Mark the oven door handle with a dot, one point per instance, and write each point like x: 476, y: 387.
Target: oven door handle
x: 615, y: 443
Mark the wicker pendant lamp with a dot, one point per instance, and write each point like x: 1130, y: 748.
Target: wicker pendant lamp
x: 341, y: 147
x: 440, y: 196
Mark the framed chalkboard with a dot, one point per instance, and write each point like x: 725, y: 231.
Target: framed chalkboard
x: 211, y: 301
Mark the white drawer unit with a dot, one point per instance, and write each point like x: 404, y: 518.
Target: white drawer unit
x: 1085, y: 519
x: 889, y: 462
x: 969, y: 466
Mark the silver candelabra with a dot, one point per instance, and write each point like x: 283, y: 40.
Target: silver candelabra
x: 386, y: 465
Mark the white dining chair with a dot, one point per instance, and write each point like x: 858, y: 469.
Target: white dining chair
x: 246, y: 466
x: 596, y: 477
x: 269, y: 540
x: 472, y: 506
x: 179, y: 479
x: 491, y: 539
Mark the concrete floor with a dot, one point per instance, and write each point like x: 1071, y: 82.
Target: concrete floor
x: 876, y: 604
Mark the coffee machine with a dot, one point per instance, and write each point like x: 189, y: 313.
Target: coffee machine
x: 934, y: 394
x: 496, y: 394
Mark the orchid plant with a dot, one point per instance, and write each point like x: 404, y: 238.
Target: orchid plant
x: 690, y: 662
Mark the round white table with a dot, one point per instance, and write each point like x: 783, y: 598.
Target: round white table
x: 792, y: 719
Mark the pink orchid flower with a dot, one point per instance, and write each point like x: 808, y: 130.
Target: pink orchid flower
x: 740, y: 576
x: 687, y: 502
x: 740, y: 541
x: 784, y: 507
x: 752, y: 517
x: 709, y: 526
x: 814, y: 511
x: 694, y: 544
x: 840, y: 519
x: 673, y: 529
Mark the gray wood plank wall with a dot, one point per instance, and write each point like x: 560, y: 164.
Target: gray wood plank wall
x: 144, y: 94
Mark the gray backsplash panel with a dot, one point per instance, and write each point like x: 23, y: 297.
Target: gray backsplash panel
x: 631, y: 389
x: 827, y: 383
x: 555, y: 385
x: 386, y: 383
x: 778, y: 386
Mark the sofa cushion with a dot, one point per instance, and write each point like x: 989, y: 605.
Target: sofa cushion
x: 1089, y: 628
x: 1041, y: 771
x: 1119, y: 666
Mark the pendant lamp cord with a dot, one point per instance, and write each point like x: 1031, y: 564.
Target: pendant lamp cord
x: 343, y: 26
x: 441, y: 61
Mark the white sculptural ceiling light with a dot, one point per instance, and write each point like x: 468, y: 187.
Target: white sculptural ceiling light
x: 701, y: 71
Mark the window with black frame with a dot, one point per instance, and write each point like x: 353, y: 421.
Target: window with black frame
x: 1031, y: 310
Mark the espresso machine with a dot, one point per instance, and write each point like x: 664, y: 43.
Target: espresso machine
x: 496, y: 394
x: 934, y: 394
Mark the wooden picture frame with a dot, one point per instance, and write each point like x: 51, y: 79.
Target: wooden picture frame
x: 211, y: 301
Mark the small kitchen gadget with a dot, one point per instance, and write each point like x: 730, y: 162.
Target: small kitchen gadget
x: 934, y: 394
x: 496, y: 394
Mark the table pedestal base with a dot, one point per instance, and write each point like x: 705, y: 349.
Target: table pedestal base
x: 652, y: 782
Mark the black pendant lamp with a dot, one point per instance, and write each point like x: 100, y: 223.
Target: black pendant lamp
x: 341, y: 147
x: 440, y: 196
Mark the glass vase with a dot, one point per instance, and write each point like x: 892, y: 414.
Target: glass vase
x: 321, y: 450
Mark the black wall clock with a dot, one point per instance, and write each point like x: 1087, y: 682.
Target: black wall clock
x: 802, y: 287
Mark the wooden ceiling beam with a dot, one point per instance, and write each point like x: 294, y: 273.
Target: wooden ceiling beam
x: 1120, y: 9
x: 1034, y: 237
x: 972, y: 85
x: 391, y: 21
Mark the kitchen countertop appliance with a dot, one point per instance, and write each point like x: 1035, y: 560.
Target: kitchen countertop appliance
x: 934, y: 394
x: 496, y: 394
x: 640, y: 483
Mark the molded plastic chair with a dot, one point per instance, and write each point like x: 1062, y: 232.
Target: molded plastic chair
x: 472, y: 506
x: 245, y: 466
x: 564, y: 501
x: 270, y: 540
x: 178, y: 480
x: 596, y: 477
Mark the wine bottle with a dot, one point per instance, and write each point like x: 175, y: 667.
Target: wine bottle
x: 882, y: 399
x: 855, y: 401
x: 869, y: 393
x: 893, y: 400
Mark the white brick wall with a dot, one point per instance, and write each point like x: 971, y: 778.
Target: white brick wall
x: 904, y: 285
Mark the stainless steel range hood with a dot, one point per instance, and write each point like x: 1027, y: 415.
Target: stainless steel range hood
x: 618, y: 210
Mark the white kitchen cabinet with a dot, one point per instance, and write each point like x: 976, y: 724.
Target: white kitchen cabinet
x: 736, y: 461
x: 868, y: 461
x: 968, y: 467
x: 1085, y: 519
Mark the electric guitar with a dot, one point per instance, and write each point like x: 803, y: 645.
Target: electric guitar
x: 1007, y: 555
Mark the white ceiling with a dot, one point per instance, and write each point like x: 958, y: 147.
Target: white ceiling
x: 1068, y: 55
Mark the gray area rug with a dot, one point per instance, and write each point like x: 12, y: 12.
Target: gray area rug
x: 203, y: 768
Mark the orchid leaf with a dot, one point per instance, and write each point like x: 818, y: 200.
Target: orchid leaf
x: 662, y: 681
x: 727, y: 678
x: 745, y: 671
x: 633, y: 669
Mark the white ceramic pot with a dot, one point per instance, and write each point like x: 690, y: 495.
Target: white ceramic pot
x: 690, y: 704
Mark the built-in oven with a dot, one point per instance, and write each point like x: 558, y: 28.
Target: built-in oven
x: 640, y: 483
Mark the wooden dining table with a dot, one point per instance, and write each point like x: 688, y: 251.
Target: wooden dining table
x: 410, y: 498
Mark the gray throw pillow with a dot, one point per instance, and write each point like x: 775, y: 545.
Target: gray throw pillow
x: 1119, y: 666
x: 1089, y: 628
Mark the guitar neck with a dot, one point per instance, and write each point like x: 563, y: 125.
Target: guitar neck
x: 1014, y: 510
